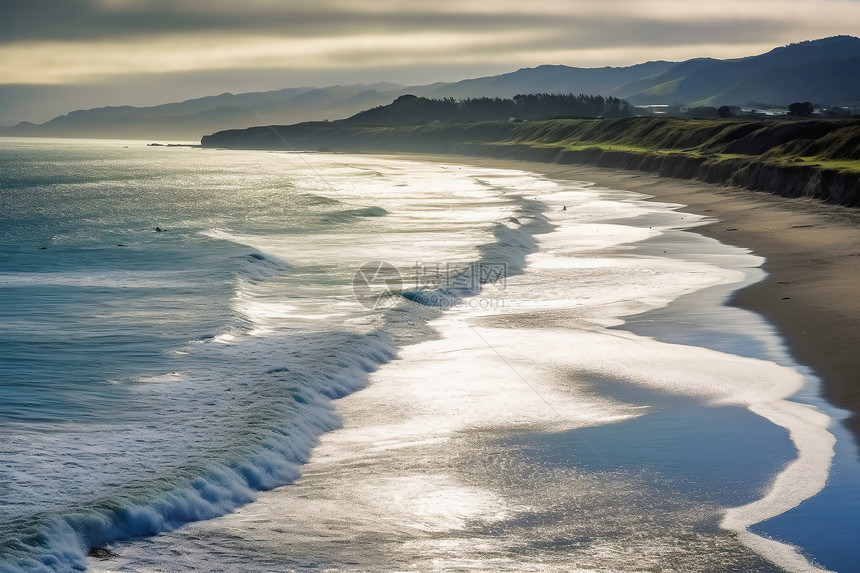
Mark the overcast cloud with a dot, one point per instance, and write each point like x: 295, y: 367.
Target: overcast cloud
x: 71, y: 51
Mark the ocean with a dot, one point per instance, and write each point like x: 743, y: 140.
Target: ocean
x: 220, y: 360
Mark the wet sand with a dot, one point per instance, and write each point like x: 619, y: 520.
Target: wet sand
x: 812, y: 251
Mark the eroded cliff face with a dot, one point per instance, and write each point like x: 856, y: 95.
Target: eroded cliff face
x: 832, y: 186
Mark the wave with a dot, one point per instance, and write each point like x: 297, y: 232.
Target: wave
x: 62, y: 541
x: 505, y: 256
x: 312, y: 199
x: 256, y: 266
x: 272, y: 449
x: 261, y: 449
x: 350, y: 215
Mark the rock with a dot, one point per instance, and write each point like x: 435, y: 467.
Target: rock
x: 102, y: 553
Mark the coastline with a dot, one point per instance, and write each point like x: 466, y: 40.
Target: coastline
x: 812, y: 259
x: 418, y: 448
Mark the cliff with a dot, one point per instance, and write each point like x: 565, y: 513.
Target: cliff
x: 811, y: 158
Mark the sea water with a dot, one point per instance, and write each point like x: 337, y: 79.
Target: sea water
x: 446, y: 367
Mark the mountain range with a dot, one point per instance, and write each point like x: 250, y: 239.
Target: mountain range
x: 825, y: 72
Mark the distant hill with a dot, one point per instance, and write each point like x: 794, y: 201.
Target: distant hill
x: 189, y: 119
x: 546, y: 79
x: 822, y: 71
x: 825, y: 71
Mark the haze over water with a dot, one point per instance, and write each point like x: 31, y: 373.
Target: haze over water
x: 521, y: 388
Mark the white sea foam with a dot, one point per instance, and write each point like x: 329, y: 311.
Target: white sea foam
x: 800, y: 480
x: 522, y: 377
x: 638, y: 284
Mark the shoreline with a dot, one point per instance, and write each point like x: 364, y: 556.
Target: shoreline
x: 812, y: 259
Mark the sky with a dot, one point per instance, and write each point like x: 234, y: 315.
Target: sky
x: 59, y: 55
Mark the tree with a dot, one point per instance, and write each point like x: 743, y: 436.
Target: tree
x: 799, y: 109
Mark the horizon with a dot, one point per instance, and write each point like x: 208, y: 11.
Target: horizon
x: 58, y: 56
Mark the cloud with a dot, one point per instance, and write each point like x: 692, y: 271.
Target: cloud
x: 92, y: 20
x: 53, y: 62
x: 69, y: 41
x: 96, y: 42
x: 95, y: 20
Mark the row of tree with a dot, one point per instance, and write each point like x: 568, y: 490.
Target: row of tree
x: 410, y: 109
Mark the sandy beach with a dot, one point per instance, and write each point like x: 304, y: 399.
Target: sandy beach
x: 812, y: 253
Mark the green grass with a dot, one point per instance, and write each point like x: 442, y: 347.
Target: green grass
x: 664, y: 88
x: 827, y: 144
x: 845, y: 165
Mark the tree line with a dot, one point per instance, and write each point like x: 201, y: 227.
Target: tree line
x: 411, y: 109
